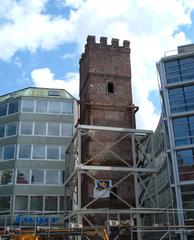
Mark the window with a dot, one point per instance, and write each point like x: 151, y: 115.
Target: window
x: 24, y: 151
x: 26, y: 128
x: 1, y: 153
x: 51, y: 203
x: 9, y: 152
x: 13, y: 107
x: 41, y: 106
x: 66, y: 129
x: 52, y: 177
x: 67, y: 107
x: 54, y: 93
x: 11, y: 129
x: 27, y: 105
x: 38, y: 152
x: 61, y: 204
x: 52, y: 152
x: 2, y: 130
x: 62, y: 177
x: 63, y: 149
x: 5, y: 202
x: 54, y: 107
x: 23, y: 176
x: 110, y: 87
x: 37, y: 177
x: 36, y: 203
x: 7, y: 177
x: 3, y: 110
x: 53, y: 129
x: 21, y: 203
x: 40, y: 128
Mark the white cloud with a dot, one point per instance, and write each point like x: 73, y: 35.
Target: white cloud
x: 150, y: 26
x: 44, y: 77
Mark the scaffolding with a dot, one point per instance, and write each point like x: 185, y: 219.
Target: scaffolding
x: 150, y: 213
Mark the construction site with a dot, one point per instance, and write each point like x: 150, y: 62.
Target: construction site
x: 117, y: 178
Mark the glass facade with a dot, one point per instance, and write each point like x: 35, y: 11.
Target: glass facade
x: 34, y: 132
x: 177, y: 88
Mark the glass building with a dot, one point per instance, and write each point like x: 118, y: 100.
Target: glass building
x: 176, y: 73
x: 36, y: 125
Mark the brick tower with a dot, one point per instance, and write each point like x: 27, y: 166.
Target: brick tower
x: 105, y: 84
x: 106, y: 100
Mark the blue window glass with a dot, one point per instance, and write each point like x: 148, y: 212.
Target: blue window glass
x: 13, y: 107
x: 9, y: 152
x: 2, y: 130
x: 185, y: 157
x: 3, y: 110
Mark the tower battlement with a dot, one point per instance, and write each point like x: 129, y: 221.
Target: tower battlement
x: 91, y: 42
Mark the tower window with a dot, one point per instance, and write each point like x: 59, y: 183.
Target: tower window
x: 110, y: 87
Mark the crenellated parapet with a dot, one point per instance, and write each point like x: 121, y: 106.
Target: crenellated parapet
x: 91, y: 41
x: 103, y: 45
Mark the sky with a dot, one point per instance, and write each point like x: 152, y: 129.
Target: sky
x: 41, y: 42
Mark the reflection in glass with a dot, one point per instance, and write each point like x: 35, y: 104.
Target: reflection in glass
x: 54, y: 107
x: 23, y: 176
x: 9, y: 152
x: 27, y: 105
x: 37, y: 177
x: 50, y: 203
x: 38, y: 151
x: 52, y: 152
x: 13, y: 107
x: 21, y: 203
x: 52, y: 177
x: 40, y: 128
x: 24, y: 151
x: 7, y: 177
x: 11, y: 129
x: 36, y: 203
x: 26, y: 128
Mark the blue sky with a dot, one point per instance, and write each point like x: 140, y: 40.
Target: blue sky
x: 41, y: 42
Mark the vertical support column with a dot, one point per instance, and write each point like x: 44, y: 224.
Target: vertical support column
x: 79, y: 176
x: 136, y: 185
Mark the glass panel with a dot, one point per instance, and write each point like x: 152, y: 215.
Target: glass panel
x: 54, y: 107
x: 13, y: 107
x: 2, y: 130
x: 66, y: 129
x: 36, y: 203
x: 62, y: 177
x: 52, y: 152
x: 5, y: 203
x: 7, y: 177
x: 185, y: 157
x: 3, y: 110
x: 41, y: 106
x: 23, y: 176
x: 27, y: 105
x: 37, y: 177
x: 63, y: 149
x: 21, y: 203
x: 38, y: 152
x: 25, y: 151
x: 1, y: 153
x: 9, y: 152
x: 40, y: 128
x: 53, y: 129
x: 26, y: 128
x: 51, y: 203
x: 62, y: 204
x: 67, y: 107
x: 52, y: 177
x: 11, y: 129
